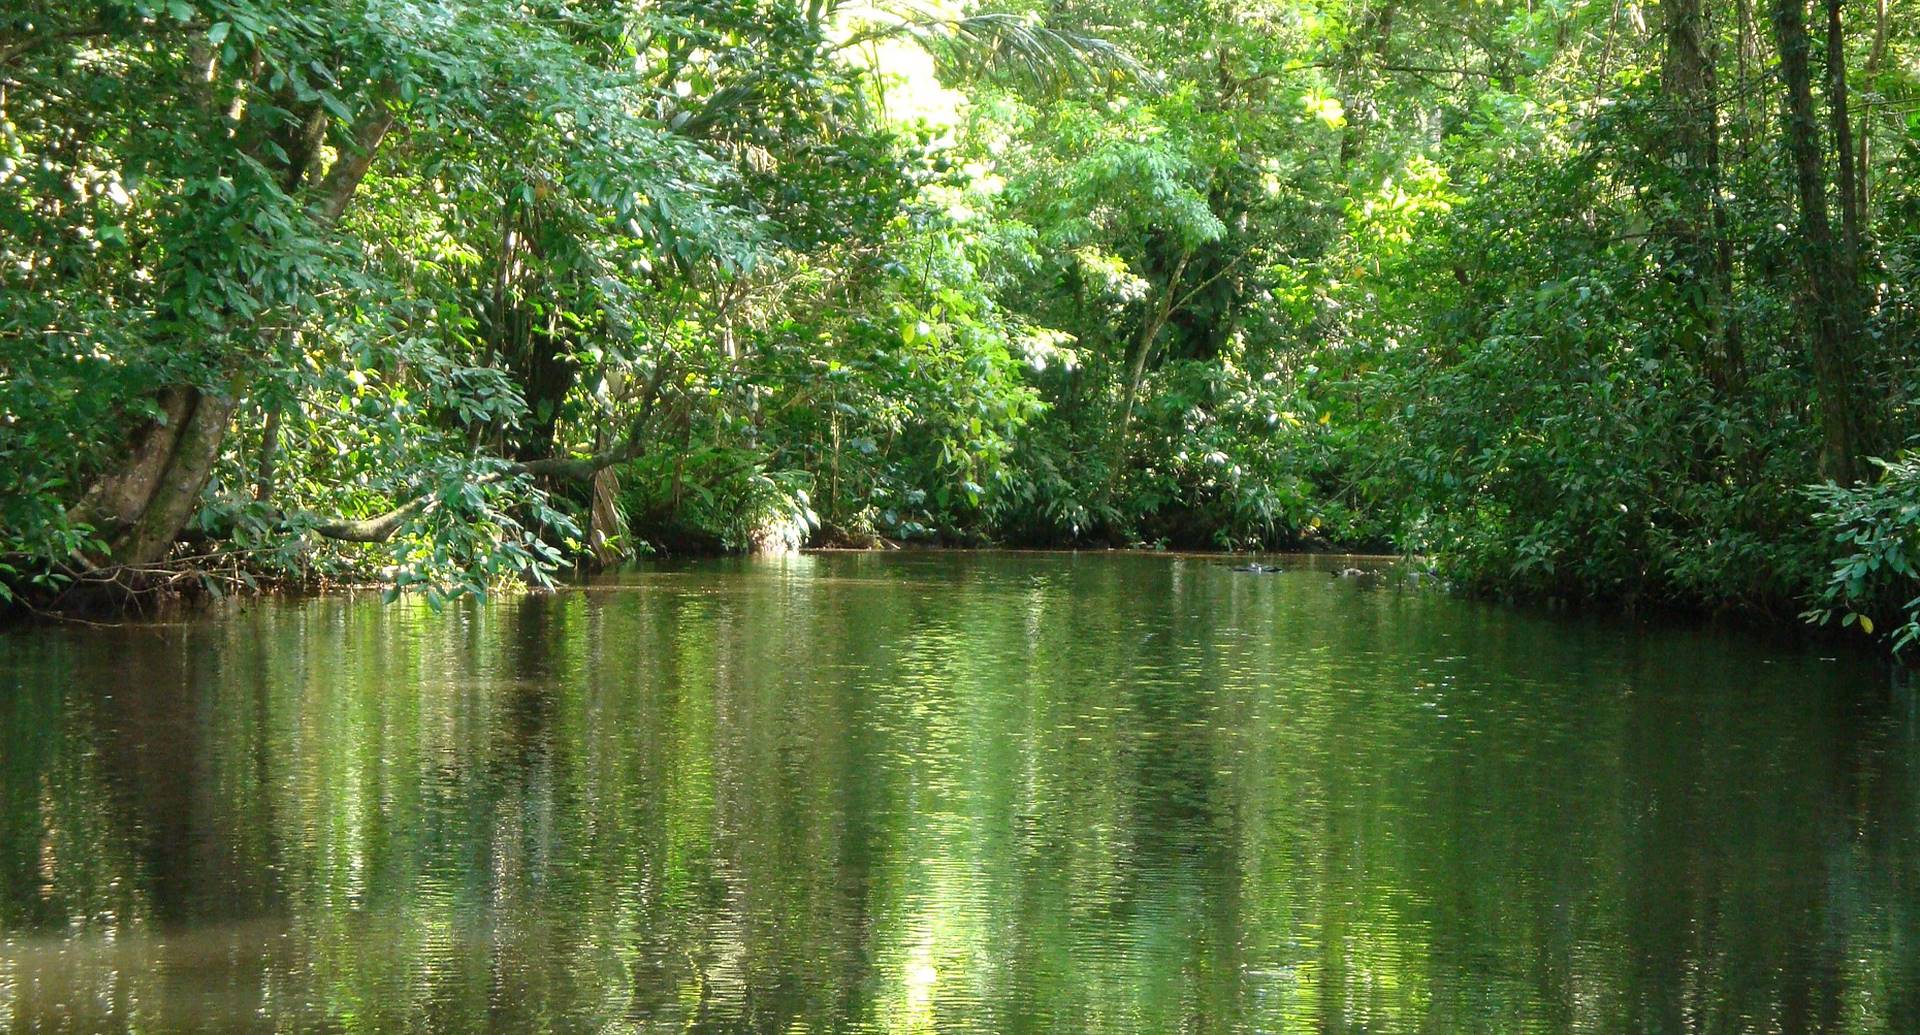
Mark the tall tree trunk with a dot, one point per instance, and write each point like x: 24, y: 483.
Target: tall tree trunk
x: 1151, y: 325
x: 1746, y: 55
x: 546, y: 372
x: 1841, y: 124
x: 265, y: 473
x: 1370, y: 46
x: 1840, y: 403
x: 1690, y: 144
x: 1876, y: 56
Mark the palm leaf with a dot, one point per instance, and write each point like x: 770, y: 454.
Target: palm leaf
x: 1019, y: 50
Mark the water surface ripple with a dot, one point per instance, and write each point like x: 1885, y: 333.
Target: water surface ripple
x: 968, y: 793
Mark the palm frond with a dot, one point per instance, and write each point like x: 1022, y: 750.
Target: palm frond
x: 1016, y: 49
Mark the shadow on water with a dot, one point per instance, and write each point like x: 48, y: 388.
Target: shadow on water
x: 958, y: 793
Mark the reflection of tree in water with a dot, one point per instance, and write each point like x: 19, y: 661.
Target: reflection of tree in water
x: 1892, y: 865
x: 1185, y: 829
x: 523, y: 783
x: 183, y: 717
x: 533, y: 655
x: 69, y: 876
x: 134, y: 810
x: 758, y: 916
x: 1712, y: 804
x: 1113, y: 799
x: 56, y: 813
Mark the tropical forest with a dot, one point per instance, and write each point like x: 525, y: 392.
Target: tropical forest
x: 959, y: 515
x: 1598, y: 302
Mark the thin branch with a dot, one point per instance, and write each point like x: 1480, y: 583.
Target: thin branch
x: 38, y: 40
x: 1203, y: 285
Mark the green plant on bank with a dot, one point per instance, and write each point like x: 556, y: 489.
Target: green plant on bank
x: 1878, y: 529
x: 719, y: 498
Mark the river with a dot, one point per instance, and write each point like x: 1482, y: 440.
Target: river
x: 952, y: 792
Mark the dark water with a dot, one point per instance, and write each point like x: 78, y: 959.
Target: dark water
x: 954, y: 793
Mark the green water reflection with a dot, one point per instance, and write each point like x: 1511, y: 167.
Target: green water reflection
x: 954, y: 793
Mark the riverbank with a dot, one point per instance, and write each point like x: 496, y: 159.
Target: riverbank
x: 1372, y: 570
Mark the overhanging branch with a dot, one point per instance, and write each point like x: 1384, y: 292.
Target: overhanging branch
x: 382, y: 527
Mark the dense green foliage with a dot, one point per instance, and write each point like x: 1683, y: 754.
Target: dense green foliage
x: 1583, y: 301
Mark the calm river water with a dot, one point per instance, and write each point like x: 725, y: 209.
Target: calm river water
x: 992, y: 793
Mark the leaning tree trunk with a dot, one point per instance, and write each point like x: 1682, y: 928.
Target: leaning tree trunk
x: 118, y: 499
x: 176, y: 493
x: 1151, y: 324
x: 1827, y: 292
x: 606, y: 525
x: 607, y: 529
x: 143, y: 505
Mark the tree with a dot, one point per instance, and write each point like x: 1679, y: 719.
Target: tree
x: 1827, y: 304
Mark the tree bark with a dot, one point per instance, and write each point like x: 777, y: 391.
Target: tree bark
x: 606, y: 527
x: 1841, y: 124
x: 1876, y: 56
x: 177, y: 494
x: 343, y: 179
x: 1371, y: 45
x: 1150, y: 327
x: 117, y: 500
x: 1840, y: 403
x: 1689, y: 143
x: 265, y: 474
